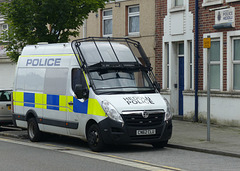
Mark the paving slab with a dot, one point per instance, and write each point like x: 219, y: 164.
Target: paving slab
x: 224, y: 140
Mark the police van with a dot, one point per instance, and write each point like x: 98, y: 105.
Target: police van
x: 101, y: 90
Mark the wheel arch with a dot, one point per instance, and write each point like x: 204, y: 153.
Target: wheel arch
x: 89, y: 123
x: 31, y: 114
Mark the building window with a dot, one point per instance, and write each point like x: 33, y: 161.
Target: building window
x: 107, y: 22
x: 215, y: 65
x: 167, y: 57
x: 4, y: 31
x: 181, y: 50
x: 5, y: 27
x: 178, y: 3
x: 133, y: 20
x: 216, y: 62
x: 236, y: 64
x: 190, y: 66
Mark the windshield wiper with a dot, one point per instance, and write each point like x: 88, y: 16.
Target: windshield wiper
x: 146, y: 91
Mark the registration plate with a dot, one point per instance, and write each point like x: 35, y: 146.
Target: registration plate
x: 146, y: 132
x: 9, y: 107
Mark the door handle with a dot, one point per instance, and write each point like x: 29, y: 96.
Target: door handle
x: 70, y: 103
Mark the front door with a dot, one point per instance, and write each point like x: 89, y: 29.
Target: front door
x: 181, y: 85
x: 180, y: 77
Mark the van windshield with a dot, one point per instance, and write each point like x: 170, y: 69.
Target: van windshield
x: 115, y: 82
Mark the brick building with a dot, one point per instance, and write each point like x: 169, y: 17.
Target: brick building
x: 178, y: 47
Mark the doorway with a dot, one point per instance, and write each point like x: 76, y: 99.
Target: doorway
x: 180, y: 77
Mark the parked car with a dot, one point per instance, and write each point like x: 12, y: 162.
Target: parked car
x: 5, y: 107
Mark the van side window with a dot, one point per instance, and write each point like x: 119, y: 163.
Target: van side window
x: 78, y: 78
x: 55, y: 81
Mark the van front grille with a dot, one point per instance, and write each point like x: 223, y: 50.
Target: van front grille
x: 136, y: 119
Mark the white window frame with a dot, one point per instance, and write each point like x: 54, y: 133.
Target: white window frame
x: 219, y: 37
x: 216, y: 63
x: 176, y: 8
x: 108, y: 17
x: 211, y: 2
x: 112, y: 1
x: 167, y: 66
x: 133, y: 14
x: 234, y: 61
x: 166, y: 75
x: 191, y: 64
x: 174, y: 3
x: 181, y: 55
x: 231, y: 35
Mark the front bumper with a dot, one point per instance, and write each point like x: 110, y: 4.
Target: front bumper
x: 115, y: 133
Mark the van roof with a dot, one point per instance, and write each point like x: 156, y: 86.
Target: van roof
x: 48, y: 49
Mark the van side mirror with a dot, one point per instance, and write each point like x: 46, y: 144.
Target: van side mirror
x: 81, y: 91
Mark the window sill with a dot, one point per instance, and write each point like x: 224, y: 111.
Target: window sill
x: 114, y: 1
x: 165, y: 92
x: 205, y: 4
x: 177, y: 9
x: 227, y: 94
x: 133, y: 35
x: 108, y: 35
x: 5, y: 59
x: 228, y: 1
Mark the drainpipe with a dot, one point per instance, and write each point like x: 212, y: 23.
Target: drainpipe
x: 196, y: 61
x: 85, y: 28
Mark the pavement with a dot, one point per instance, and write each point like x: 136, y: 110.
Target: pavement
x: 224, y: 140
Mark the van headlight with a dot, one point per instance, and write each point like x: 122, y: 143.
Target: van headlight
x: 111, y: 111
x: 168, y: 112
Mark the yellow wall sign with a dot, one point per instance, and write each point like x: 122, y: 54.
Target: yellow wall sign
x: 207, y: 43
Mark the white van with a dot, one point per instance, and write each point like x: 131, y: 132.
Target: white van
x: 101, y: 90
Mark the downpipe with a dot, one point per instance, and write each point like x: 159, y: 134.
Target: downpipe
x: 196, y: 61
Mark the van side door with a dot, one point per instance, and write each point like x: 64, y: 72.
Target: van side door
x: 55, y: 112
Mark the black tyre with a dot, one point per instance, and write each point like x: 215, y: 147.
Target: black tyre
x: 159, y: 145
x: 34, y: 134
x: 94, y: 138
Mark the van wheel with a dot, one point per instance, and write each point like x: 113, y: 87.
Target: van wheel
x: 94, y: 138
x: 34, y: 134
x: 159, y: 145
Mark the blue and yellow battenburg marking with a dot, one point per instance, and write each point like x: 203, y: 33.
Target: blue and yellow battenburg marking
x: 58, y: 103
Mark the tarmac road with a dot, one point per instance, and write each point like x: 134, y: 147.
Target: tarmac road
x: 224, y: 147
x: 27, y: 156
